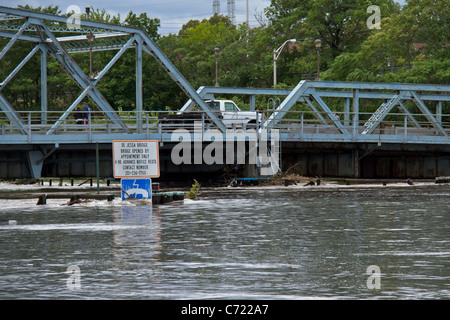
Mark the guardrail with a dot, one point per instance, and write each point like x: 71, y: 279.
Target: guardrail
x: 298, y: 123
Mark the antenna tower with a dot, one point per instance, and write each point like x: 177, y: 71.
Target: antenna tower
x: 216, y: 7
x: 231, y: 9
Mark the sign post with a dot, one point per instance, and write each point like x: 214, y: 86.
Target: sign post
x: 135, y: 162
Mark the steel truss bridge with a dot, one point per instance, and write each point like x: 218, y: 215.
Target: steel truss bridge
x: 314, y: 111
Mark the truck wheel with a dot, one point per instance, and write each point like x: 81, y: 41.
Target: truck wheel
x: 251, y: 124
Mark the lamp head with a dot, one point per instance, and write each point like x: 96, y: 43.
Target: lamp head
x: 318, y: 44
x: 90, y: 36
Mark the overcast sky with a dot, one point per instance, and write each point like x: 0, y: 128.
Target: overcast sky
x: 172, y: 13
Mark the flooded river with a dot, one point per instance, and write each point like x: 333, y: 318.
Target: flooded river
x: 325, y: 242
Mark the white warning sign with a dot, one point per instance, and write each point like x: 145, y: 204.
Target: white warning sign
x: 136, y: 159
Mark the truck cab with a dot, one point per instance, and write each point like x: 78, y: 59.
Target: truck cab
x: 231, y: 114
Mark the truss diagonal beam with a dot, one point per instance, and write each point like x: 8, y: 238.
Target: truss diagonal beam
x: 408, y: 114
x: 189, y: 105
x: 69, y: 110
x: 427, y: 113
x: 286, y: 105
x: 19, y: 66
x: 14, y: 39
x: 330, y: 113
x: 148, y: 44
x: 316, y: 112
x: 97, y: 79
x: 78, y: 75
x: 114, y: 59
x: 12, y: 115
x: 180, y: 80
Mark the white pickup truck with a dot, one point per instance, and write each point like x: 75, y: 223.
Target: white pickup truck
x: 226, y: 110
x: 231, y: 114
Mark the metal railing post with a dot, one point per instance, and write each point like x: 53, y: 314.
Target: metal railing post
x: 147, y: 123
x: 203, y: 124
x: 302, y: 124
x: 89, y: 128
x: 405, y: 129
x: 29, y: 127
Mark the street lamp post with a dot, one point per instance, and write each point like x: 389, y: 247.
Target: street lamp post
x: 90, y: 36
x: 318, y: 45
x: 216, y: 52
x: 276, y: 54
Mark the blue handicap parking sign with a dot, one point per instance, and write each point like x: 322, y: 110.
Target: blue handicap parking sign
x: 136, y: 188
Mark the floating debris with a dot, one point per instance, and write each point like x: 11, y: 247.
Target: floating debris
x: 442, y: 180
x: 166, y: 197
x: 76, y: 201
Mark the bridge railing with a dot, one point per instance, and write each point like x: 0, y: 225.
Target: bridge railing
x: 393, y: 124
x: 307, y: 122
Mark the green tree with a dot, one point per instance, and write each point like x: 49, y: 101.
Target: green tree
x: 340, y: 24
x: 194, y: 54
x: 149, y: 25
x: 247, y: 61
x: 101, y: 15
x: 410, y: 47
x: 287, y: 17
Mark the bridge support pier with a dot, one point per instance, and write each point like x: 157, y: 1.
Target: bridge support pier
x: 355, y: 163
x: 35, y: 162
x: 251, y: 171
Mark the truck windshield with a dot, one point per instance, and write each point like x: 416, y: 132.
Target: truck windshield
x: 214, y: 105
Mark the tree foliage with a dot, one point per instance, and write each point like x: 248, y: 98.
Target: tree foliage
x: 412, y: 45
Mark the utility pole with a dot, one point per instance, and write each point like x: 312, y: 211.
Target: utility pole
x: 248, y: 26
